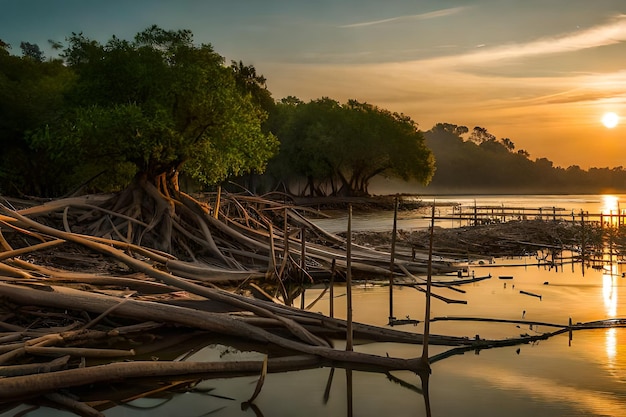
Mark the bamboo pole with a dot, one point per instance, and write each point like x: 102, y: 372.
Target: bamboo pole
x: 349, y: 346
x: 302, y: 265
x: 331, y: 312
x: 428, y: 288
x: 392, y: 262
x: 582, y: 232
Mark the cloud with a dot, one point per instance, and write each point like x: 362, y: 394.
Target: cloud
x: 612, y: 32
x: 423, y: 16
x: 567, y: 98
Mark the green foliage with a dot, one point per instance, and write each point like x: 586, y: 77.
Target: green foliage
x: 249, y: 82
x: 31, y: 94
x: 338, y: 149
x: 32, y: 51
x: 155, y: 105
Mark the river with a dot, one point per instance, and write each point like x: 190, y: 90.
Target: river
x: 581, y: 375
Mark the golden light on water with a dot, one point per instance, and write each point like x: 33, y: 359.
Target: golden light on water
x: 609, y: 294
x: 611, y: 346
x: 610, y: 204
x: 587, y: 400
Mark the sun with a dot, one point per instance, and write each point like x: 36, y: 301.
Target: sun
x: 610, y: 120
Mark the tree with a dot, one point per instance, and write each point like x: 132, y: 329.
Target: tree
x: 31, y: 94
x: 480, y: 135
x: 307, y: 133
x: 379, y: 142
x: 150, y: 109
x: 32, y: 51
x: 338, y: 149
x: 508, y: 143
x: 161, y: 105
x: 249, y: 82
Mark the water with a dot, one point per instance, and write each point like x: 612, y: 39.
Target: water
x: 419, y: 219
x: 584, y: 376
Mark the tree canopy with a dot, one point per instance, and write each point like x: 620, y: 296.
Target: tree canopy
x: 338, y: 148
x: 164, y: 104
x: 156, y: 105
x: 31, y: 95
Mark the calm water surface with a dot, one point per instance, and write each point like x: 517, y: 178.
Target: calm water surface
x: 584, y: 376
x: 415, y: 219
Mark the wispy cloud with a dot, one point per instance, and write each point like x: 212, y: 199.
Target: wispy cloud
x: 423, y: 16
x: 612, y: 32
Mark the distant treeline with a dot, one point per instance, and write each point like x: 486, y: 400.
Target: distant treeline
x: 476, y: 162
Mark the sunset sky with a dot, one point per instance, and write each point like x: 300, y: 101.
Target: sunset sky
x: 540, y: 72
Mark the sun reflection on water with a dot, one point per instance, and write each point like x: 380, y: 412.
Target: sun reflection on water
x: 611, y: 346
x: 615, y: 363
x: 609, y: 292
x: 610, y: 204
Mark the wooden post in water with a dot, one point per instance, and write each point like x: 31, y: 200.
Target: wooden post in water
x: 582, y: 243
x: 428, y: 288
x: 349, y: 346
x: 570, y: 331
x: 302, y: 265
x: 332, y: 289
x: 393, y: 259
x: 475, y: 213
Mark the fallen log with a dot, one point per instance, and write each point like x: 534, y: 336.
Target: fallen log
x: 28, y: 386
x: 531, y: 294
x: 60, y: 297
x: 165, y: 277
x: 34, y: 368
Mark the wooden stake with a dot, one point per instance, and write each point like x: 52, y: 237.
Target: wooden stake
x: 349, y: 346
x: 302, y: 265
x: 393, y: 255
x: 428, y: 287
x: 582, y: 232
x: 332, y: 289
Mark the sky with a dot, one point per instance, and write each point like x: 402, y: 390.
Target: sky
x: 539, y: 72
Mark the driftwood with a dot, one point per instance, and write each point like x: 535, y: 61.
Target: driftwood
x: 150, y: 295
x: 103, y: 303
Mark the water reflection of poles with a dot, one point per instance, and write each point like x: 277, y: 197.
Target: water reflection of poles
x: 425, y: 376
x: 349, y: 392
x: 392, y: 263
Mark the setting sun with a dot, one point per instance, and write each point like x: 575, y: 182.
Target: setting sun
x: 610, y: 120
